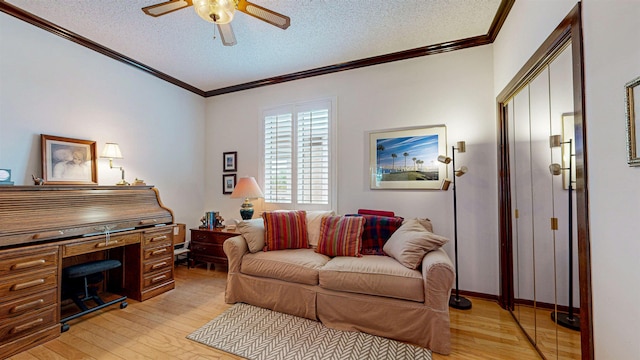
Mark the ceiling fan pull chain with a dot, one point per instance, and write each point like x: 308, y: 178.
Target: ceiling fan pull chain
x: 214, y: 32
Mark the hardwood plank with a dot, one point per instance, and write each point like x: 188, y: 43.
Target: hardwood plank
x: 157, y: 328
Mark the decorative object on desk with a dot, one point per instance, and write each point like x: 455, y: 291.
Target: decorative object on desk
x: 632, y: 109
x: 568, y: 319
x: 230, y: 161
x: 68, y: 161
x: 247, y: 188
x: 138, y: 182
x: 112, y: 151
x: 5, y: 177
x: 455, y: 301
x: 228, y: 183
x: 37, y: 180
x: 406, y: 158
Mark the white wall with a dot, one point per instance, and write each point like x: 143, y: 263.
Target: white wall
x: 612, y: 58
x: 454, y: 89
x: 52, y: 86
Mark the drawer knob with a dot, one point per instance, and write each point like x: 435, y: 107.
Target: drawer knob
x: 158, y: 278
x: 26, y: 326
x: 26, y: 285
x: 28, y: 264
x: 148, y: 221
x: 158, y: 238
x: 160, y: 251
x: 106, y: 243
x: 158, y: 265
x: 26, y: 306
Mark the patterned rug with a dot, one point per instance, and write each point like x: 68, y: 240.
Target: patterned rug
x: 256, y: 333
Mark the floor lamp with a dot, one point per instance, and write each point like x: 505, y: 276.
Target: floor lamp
x: 568, y: 320
x: 455, y: 301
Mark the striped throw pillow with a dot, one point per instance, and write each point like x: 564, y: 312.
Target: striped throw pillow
x: 341, y: 236
x: 285, y: 229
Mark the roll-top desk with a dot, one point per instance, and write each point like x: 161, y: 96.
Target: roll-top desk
x: 46, y: 228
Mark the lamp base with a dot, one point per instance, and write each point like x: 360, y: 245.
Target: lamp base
x: 246, y: 210
x: 122, y: 183
x: 563, y: 319
x: 459, y: 302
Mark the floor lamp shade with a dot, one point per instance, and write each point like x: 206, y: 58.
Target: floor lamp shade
x: 247, y: 188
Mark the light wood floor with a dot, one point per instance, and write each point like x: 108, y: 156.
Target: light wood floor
x: 156, y: 328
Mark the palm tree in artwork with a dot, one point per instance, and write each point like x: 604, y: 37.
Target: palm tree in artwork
x: 380, y: 149
x: 405, y: 160
x: 414, y: 163
x: 420, y: 162
x: 393, y: 159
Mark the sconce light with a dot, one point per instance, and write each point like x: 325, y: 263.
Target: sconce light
x: 455, y: 301
x: 112, y: 151
x: 247, y: 188
x: 569, y: 319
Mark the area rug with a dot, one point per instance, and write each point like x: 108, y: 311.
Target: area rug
x: 256, y: 334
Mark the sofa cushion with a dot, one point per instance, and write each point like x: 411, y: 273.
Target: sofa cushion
x: 285, y: 229
x: 294, y: 265
x: 314, y: 220
x: 411, y: 242
x: 372, y: 275
x: 377, y: 230
x: 253, y: 232
x: 341, y: 236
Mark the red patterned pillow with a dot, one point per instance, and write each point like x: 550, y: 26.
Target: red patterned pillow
x: 377, y: 230
x: 341, y: 235
x: 285, y: 229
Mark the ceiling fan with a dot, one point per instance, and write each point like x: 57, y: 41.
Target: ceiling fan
x: 220, y: 12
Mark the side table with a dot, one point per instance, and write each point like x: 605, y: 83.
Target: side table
x: 206, y: 245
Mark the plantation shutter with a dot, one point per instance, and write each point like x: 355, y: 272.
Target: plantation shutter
x: 313, y: 156
x: 278, y: 158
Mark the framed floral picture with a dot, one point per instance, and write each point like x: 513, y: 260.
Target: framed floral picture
x: 230, y: 161
x: 67, y: 161
x: 407, y: 158
x: 228, y: 183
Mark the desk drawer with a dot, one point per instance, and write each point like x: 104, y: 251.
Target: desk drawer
x: 158, y: 238
x: 157, y: 253
x: 19, y: 286
x: 27, y: 304
x: 31, y: 262
x: 100, y: 244
x: 158, y: 278
x: 27, y: 324
x: 153, y: 266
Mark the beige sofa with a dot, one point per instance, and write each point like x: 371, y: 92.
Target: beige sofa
x: 373, y: 294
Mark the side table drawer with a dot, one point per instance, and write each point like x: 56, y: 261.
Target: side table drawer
x: 206, y: 249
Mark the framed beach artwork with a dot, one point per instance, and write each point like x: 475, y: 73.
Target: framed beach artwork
x: 407, y: 158
x: 67, y: 161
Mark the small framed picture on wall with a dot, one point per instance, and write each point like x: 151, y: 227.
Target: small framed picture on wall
x: 230, y: 161
x: 228, y: 183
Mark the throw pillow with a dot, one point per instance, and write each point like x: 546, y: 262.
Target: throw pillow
x: 314, y: 219
x: 285, y: 229
x: 341, y: 235
x: 411, y: 242
x: 377, y: 230
x: 253, y: 232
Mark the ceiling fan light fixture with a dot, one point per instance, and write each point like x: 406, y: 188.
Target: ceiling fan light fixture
x: 215, y: 11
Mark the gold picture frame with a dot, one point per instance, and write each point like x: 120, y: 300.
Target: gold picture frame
x: 632, y: 109
x: 67, y: 161
x: 407, y: 158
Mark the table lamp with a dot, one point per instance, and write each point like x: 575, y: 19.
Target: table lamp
x: 112, y: 151
x: 247, y: 188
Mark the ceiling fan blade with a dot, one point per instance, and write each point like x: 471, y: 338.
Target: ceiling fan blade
x: 166, y: 7
x: 264, y: 14
x: 227, y: 35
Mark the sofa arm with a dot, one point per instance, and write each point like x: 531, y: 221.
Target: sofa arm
x: 438, y: 275
x: 235, y: 248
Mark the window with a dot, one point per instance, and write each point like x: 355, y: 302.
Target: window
x: 298, y: 171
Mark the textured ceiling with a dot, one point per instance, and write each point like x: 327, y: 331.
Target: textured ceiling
x: 322, y: 33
